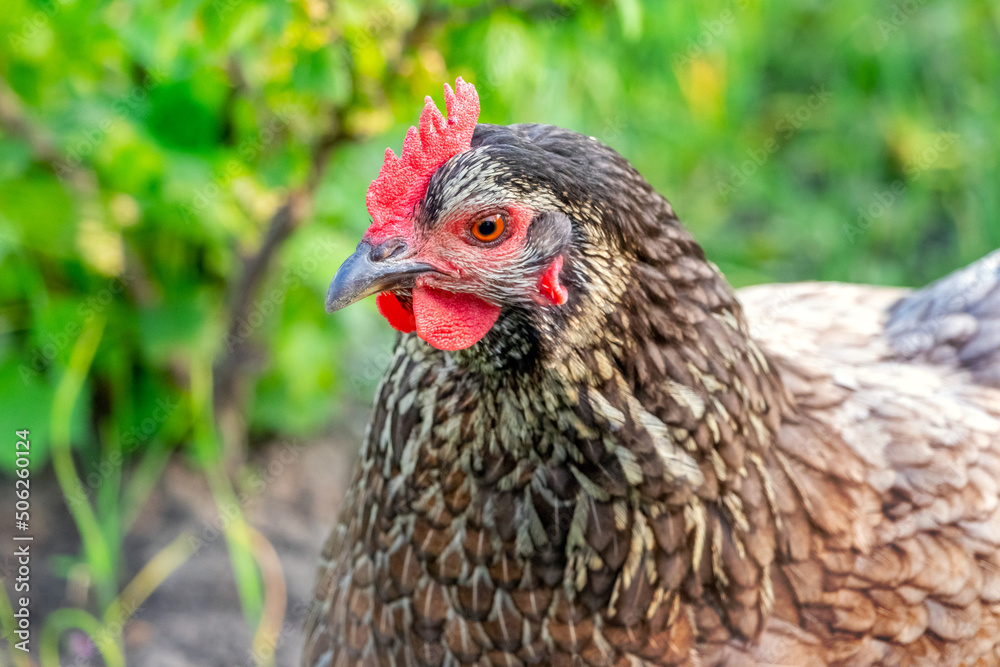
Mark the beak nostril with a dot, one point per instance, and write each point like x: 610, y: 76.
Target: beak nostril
x: 387, y: 249
x: 370, y: 270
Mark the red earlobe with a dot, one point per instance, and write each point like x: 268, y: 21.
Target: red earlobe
x: 549, y: 286
x: 400, y: 317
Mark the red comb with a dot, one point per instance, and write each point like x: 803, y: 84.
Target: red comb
x: 402, y: 181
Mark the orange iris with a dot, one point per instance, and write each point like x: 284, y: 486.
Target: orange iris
x: 489, y: 228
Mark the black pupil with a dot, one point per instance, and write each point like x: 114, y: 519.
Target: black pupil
x: 487, y: 227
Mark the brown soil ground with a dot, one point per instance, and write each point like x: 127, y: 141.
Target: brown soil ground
x: 194, y: 617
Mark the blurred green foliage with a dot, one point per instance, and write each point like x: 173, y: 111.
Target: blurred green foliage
x: 179, y: 180
x: 146, y: 146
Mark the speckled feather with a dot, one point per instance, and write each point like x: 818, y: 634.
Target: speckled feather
x: 655, y: 474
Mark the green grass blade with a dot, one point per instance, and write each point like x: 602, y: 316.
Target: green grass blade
x: 98, y: 554
x: 68, y: 618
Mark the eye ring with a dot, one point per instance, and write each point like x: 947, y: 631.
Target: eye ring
x: 489, y: 228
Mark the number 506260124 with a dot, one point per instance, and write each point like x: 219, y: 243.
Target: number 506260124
x: 22, y: 454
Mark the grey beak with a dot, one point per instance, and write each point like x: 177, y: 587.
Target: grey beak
x: 372, y: 269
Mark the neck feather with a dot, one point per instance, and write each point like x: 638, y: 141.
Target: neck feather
x: 652, y: 402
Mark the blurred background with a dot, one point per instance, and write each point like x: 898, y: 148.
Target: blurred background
x: 179, y: 180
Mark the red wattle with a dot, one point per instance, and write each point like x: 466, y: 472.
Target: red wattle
x: 451, y: 321
x: 400, y: 317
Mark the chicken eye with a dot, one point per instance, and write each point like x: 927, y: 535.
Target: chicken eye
x: 489, y: 228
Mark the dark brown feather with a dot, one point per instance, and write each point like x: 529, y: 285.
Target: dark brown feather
x: 638, y: 481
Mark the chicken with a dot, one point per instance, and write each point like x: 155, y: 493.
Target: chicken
x: 588, y: 451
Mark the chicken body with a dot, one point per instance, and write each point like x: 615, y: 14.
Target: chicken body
x: 649, y: 476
